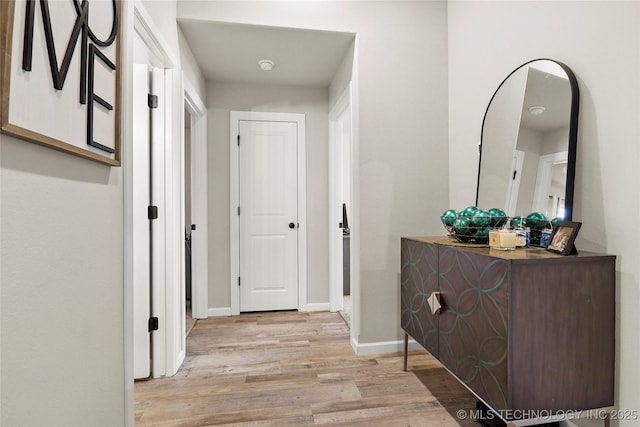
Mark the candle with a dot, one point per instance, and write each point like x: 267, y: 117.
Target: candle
x: 503, y: 239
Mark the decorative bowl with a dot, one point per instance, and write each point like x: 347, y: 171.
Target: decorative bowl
x: 472, y: 225
x: 469, y: 229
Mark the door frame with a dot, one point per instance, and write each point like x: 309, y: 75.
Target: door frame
x: 199, y: 206
x: 335, y: 207
x: 234, y: 201
x: 543, y: 178
x: 168, y: 356
x: 153, y: 233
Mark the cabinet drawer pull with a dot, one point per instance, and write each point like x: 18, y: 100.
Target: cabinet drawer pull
x: 434, y: 302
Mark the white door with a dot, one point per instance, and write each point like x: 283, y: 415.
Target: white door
x: 268, y: 192
x: 148, y: 235
x: 141, y: 235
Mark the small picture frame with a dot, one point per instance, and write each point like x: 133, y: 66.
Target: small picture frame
x: 563, y: 236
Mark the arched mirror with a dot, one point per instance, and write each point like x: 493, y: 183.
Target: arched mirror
x: 528, y: 142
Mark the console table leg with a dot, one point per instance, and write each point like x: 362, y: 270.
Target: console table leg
x: 406, y: 350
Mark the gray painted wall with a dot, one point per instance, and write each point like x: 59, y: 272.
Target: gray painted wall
x: 190, y: 68
x: 62, y: 296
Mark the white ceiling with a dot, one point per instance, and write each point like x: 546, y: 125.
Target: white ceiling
x: 551, y: 91
x: 230, y: 53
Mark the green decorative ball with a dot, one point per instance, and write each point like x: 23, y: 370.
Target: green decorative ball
x: 461, y: 225
x: 482, y: 233
x: 449, y: 217
x: 537, y: 220
x: 498, y: 217
x: 555, y: 220
x: 481, y: 218
x: 469, y: 211
x: 518, y: 221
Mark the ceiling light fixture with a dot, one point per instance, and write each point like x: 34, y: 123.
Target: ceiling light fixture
x: 536, y: 110
x: 266, y: 64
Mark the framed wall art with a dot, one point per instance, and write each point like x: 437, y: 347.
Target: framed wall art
x: 60, y: 72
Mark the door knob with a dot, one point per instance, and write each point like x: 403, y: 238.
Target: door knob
x: 292, y: 225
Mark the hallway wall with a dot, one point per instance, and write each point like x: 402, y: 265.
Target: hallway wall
x: 61, y: 281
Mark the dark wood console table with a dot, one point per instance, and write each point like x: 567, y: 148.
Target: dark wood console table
x: 525, y: 330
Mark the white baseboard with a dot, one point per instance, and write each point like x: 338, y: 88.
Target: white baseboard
x: 316, y: 306
x: 219, y: 311
x: 382, y: 347
x: 226, y: 311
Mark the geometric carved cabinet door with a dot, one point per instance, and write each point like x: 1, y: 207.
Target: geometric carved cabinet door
x: 524, y: 330
x: 473, y: 338
x: 419, y: 278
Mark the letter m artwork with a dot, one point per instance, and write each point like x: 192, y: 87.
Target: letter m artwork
x: 90, y: 53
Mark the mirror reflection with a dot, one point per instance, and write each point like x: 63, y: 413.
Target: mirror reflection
x: 527, y: 157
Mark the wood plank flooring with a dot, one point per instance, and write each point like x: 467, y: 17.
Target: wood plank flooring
x: 296, y: 369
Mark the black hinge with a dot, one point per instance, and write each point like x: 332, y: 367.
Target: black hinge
x: 152, y: 212
x: 152, y: 101
x: 238, y: 140
x: 238, y: 280
x: 514, y: 174
x: 153, y: 324
x: 238, y: 210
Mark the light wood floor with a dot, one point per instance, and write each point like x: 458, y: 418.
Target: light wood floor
x: 296, y: 369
